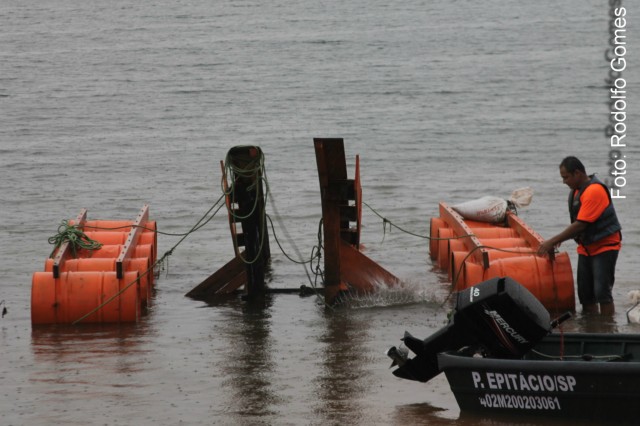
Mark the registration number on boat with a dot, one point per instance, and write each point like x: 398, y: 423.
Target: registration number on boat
x: 520, y: 402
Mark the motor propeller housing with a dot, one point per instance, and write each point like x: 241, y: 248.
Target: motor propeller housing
x: 498, y: 317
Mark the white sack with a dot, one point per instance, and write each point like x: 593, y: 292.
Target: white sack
x: 485, y: 209
x: 522, y: 197
x: 493, y: 209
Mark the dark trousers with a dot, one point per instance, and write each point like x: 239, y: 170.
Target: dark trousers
x: 596, y: 275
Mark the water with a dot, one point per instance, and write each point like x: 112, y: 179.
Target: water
x: 110, y: 105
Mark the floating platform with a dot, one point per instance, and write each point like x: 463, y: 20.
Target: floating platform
x: 112, y: 283
x: 472, y: 252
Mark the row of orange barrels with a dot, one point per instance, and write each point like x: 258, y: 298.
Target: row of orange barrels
x: 88, y: 287
x: 551, y: 281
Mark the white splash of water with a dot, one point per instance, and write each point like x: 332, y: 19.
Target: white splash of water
x: 404, y: 293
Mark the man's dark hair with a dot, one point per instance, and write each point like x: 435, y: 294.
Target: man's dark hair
x: 571, y: 164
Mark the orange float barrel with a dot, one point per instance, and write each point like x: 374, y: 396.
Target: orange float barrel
x: 76, y: 294
x: 434, y: 226
x: 108, y: 225
x: 494, y: 232
x: 459, y: 260
x: 48, y: 265
x: 473, y: 273
x: 503, y: 243
x: 477, y: 224
x: 458, y: 246
x: 139, y: 265
x: 146, y: 251
x: 444, y: 235
x: 509, y: 252
x: 107, y: 238
x: 100, y: 264
x: 106, y: 251
x: 143, y: 250
x: 550, y: 281
x: 113, y: 251
x: 150, y: 236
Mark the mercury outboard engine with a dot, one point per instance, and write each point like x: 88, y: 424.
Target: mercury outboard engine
x: 499, y: 318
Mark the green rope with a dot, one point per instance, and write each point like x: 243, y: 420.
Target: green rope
x: 254, y: 170
x: 393, y: 225
x: 73, y: 235
x: 169, y: 234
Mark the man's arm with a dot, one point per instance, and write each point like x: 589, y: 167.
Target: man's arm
x: 571, y: 231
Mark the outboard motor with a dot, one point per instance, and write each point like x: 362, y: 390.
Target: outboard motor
x: 498, y: 317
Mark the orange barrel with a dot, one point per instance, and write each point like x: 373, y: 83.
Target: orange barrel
x: 494, y: 232
x: 550, y: 282
x: 509, y: 252
x: 455, y: 245
x: 473, y: 273
x: 142, y: 265
x: 150, y: 236
x: 87, y: 264
x: 478, y: 224
x: 444, y: 234
x: 108, y: 225
x: 113, y: 251
x: 107, y: 250
x: 457, y: 269
x: 150, y: 239
x: 105, y: 264
x: 75, y: 294
x: 565, y: 291
x: 503, y: 242
x: 435, y: 224
x: 103, y: 257
x: 108, y: 238
x: 151, y: 227
x: 145, y: 251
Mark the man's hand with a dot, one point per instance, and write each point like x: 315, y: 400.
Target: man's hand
x: 546, y: 247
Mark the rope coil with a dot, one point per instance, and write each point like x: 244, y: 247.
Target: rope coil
x: 73, y: 235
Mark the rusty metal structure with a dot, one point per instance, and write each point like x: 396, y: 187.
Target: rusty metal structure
x: 242, y: 180
x: 346, y: 269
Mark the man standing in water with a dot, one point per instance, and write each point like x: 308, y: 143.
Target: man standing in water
x: 595, y: 227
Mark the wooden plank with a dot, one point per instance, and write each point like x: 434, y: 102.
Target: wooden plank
x: 64, y: 251
x: 526, y: 233
x: 456, y: 222
x: 132, y: 240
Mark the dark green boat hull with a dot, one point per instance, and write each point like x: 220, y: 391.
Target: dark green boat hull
x: 572, y: 375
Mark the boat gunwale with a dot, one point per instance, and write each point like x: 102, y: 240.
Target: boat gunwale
x: 454, y: 360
